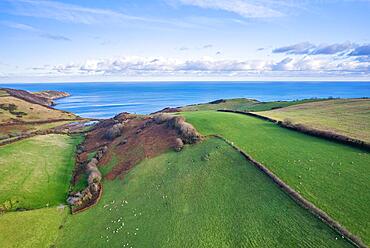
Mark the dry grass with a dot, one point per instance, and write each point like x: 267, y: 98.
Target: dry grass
x: 34, y: 112
x: 349, y: 117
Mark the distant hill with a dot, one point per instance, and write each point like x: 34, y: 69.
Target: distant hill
x: 43, y: 97
x: 19, y: 106
x: 238, y: 104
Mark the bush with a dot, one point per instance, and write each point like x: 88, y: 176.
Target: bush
x: 287, y: 122
x: 94, y: 177
x: 179, y: 144
x: 92, y: 165
x: 162, y: 118
x: 114, y: 131
x: 187, y: 132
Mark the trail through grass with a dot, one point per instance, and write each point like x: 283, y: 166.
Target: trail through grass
x: 333, y: 176
x: 207, y: 195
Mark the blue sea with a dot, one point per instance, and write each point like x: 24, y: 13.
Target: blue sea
x: 102, y: 100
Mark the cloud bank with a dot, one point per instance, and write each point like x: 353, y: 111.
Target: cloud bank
x: 307, y: 48
x: 208, y: 66
x: 245, y: 8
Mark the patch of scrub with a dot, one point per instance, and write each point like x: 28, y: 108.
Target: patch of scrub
x: 207, y: 195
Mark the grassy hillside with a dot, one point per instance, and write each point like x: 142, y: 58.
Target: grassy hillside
x: 35, y: 172
x: 14, y: 109
x: 243, y: 104
x: 207, y: 195
x: 332, y: 176
x: 350, y: 117
x: 36, y: 228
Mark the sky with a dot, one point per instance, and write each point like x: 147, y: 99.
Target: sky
x: 177, y: 40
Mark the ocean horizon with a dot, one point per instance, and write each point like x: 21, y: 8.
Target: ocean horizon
x: 104, y: 100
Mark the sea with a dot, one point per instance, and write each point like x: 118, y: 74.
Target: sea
x: 103, y: 100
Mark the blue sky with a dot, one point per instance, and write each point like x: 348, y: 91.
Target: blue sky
x: 117, y: 40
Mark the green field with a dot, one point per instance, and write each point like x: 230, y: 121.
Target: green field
x: 36, y: 172
x: 350, y: 117
x: 333, y: 176
x: 207, y: 195
x: 244, y: 104
x: 35, y: 228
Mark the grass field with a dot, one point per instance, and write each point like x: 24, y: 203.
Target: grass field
x: 243, y: 104
x: 35, y: 172
x: 350, y: 117
x: 35, y: 228
x: 333, y: 176
x: 33, y: 112
x: 207, y: 195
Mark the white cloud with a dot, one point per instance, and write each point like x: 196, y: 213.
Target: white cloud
x: 245, y: 8
x: 31, y: 29
x: 160, y: 66
x: 346, y: 48
x: 69, y: 12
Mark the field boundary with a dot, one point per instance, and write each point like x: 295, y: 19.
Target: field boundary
x: 298, y: 198
x: 26, y: 136
x: 40, y: 122
x: 339, y: 138
x: 95, y: 202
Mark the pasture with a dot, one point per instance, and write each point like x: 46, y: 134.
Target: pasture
x: 350, y: 117
x: 333, y: 176
x: 207, y: 195
x: 244, y: 104
x: 35, y: 228
x: 36, y: 172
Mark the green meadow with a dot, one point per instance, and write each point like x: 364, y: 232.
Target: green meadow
x: 333, y: 176
x: 244, y: 104
x: 36, y: 172
x: 207, y: 195
x: 34, y: 228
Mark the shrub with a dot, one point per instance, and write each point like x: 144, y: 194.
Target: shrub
x: 94, y: 177
x: 188, y: 133
x: 114, y: 131
x: 92, y: 165
x: 287, y: 122
x: 179, y: 144
x: 162, y: 118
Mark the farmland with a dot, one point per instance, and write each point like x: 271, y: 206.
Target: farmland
x: 350, y: 117
x: 36, y: 171
x: 243, y: 104
x: 332, y: 176
x: 35, y: 228
x: 207, y: 195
